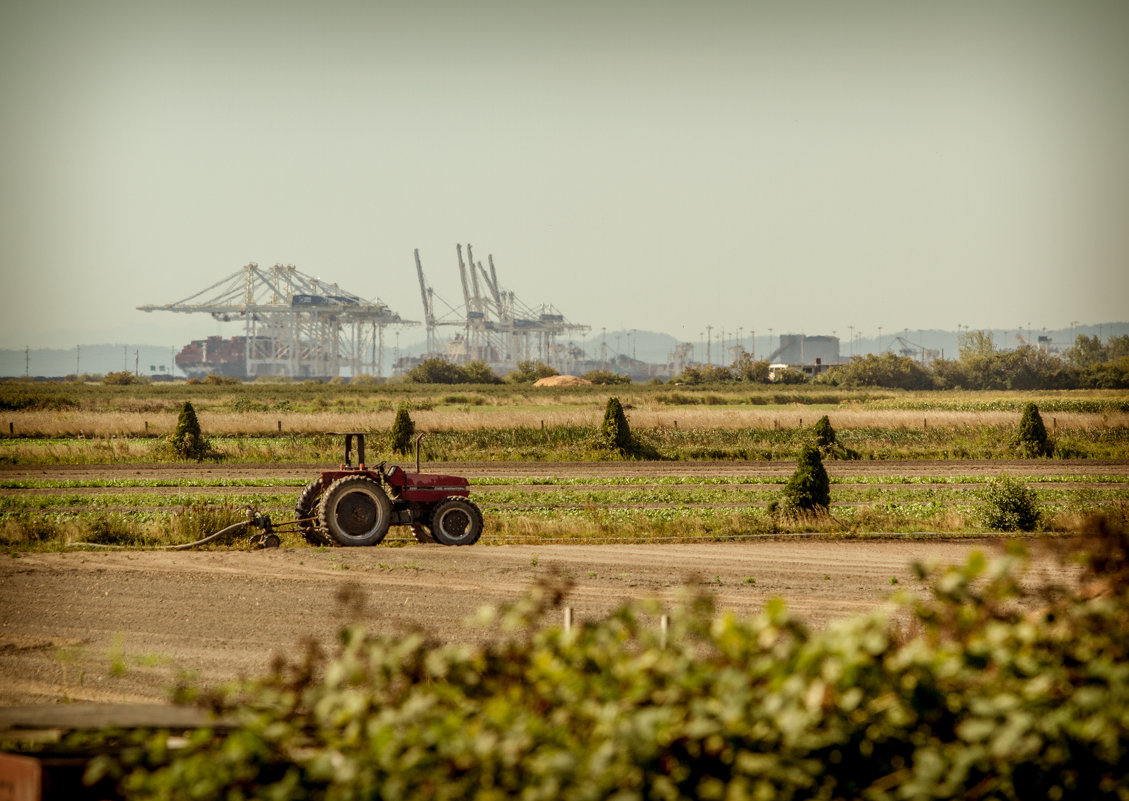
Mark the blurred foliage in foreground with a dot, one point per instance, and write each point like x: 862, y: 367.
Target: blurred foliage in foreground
x: 981, y: 690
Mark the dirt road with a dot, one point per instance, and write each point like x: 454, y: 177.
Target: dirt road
x: 781, y: 468
x: 119, y: 626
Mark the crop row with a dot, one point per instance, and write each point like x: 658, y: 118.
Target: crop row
x: 577, y: 443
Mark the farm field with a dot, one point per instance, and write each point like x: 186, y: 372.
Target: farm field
x: 290, y: 423
x: 50, y: 507
x: 121, y: 626
x: 85, y: 464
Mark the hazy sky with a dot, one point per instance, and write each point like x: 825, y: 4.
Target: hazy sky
x: 804, y: 166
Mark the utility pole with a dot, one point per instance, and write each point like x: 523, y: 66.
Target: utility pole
x: 77, y: 360
x: 27, y: 361
x: 709, y: 343
x: 753, y: 344
x: 852, y: 340
x: 137, y: 362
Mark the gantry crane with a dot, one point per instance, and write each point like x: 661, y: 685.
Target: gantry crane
x: 495, y: 326
x: 296, y: 325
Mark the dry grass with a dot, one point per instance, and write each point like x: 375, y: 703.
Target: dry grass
x: 117, y: 423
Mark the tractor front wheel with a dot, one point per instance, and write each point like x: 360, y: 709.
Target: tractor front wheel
x: 456, y: 521
x: 355, y: 510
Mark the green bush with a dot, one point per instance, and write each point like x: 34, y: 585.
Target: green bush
x: 987, y: 693
x: 614, y: 433
x: 809, y: 488
x: 527, y: 372
x: 1008, y: 505
x: 436, y: 371
x: 883, y: 370
x: 824, y: 433
x: 606, y: 377
x: 403, y: 429
x: 121, y: 378
x: 1033, y: 434
x: 187, y: 441
x: 479, y: 372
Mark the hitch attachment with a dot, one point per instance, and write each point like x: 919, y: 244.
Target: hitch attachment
x: 265, y: 538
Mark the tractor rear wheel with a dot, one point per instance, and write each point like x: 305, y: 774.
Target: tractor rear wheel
x: 355, y: 510
x: 305, y: 512
x: 456, y: 521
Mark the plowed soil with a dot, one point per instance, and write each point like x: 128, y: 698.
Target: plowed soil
x: 121, y: 626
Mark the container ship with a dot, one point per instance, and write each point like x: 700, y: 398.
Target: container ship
x: 214, y: 356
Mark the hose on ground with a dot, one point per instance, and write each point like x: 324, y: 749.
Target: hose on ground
x: 182, y: 547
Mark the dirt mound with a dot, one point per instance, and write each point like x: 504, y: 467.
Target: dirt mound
x: 562, y: 381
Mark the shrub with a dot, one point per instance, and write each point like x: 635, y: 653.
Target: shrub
x: 884, y: 370
x: 606, y: 377
x: 1033, y: 434
x: 527, y: 372
x: 187, y: 441
x: 1008, y: 505
x: 479, y: 372
x: 121, y: 378
x: 824, y: 433
x: 789, y: 376
x: 809, y: 488
x: 614, y: 433
x: 403, y: 429
x: 436, y: 371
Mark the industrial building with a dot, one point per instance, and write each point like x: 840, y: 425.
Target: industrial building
x: 809, y: 354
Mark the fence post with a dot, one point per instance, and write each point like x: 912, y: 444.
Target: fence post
x: 568, y: 620
x: 664, y: 629
x: 279, y: 426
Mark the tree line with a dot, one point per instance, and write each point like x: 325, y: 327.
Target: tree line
x: 1089, y: 364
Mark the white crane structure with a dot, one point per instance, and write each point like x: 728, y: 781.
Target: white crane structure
x: 296, y: 325
x: 495, y: 326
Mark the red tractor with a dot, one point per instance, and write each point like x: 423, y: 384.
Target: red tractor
x: 357, y: 505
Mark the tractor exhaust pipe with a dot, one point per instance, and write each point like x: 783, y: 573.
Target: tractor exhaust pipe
x: 418, y: 438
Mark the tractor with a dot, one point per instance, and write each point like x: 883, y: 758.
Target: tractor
x: 357, y: 505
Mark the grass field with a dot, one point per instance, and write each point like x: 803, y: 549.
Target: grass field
x: 50, y: 513
x: 291, y: 423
